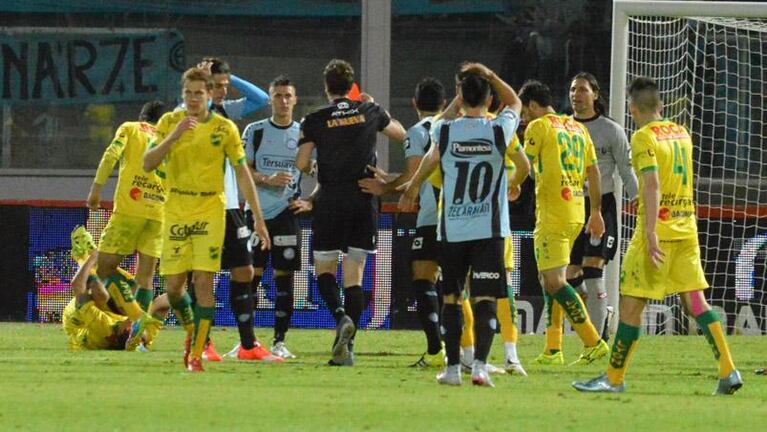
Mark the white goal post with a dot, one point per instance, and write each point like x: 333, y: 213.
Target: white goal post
x: 650, y: 38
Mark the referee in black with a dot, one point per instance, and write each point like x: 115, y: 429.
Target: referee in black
x: 345, y: 218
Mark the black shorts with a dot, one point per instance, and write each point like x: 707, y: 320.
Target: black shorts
x: 425, y: 245
x: 483, y: 257
x: 236, y: 252
x: 284, y: 234
x: 344, y: 218
x: 609, y: 245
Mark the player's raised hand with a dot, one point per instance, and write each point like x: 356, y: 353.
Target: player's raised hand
x: 654, y: 251
x: 205, y: 65
x: 479, y: 69
x: 188, y: 123
x: 409, y: 198
x: 596, y: 225
x: 279, y: 179
x: 364, y: 97
x: 301, y: 206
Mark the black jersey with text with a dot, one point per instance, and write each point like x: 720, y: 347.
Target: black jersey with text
x: 344, y: 134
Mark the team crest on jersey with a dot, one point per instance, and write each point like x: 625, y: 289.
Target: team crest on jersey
x: 216, y: 138
x: 291, y: 144
x: 465, y: 149
x: 342, y: 105
x: 214, y: 252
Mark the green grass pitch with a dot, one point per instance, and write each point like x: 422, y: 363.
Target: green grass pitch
x: 44, y: 387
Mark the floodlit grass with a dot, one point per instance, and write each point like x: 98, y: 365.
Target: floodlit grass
x: 45, y: 387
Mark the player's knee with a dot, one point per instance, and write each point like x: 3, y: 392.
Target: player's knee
x: 242, y: 274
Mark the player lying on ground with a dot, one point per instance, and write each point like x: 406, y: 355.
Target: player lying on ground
x: 88, y: 320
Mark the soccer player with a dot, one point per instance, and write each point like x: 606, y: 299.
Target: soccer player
x: 88, y: 319
x: 562, y: 154
x: 271, y: 146
x: 195, y: 144
x: 136, y: 220
x: 428, y: 102
x: 236, y: 254
x: 345, y: 217
x: 473, y: 210
x: 587, y: 261
x: 663, y: 257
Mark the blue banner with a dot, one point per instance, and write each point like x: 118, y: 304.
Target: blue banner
x: 66, y: 66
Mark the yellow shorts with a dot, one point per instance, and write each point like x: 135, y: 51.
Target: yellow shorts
x: 193, y: 244
x: 508, y: 253
x: 89, y: 327
x: 553, y: 243
x: 681, y: 270
x: 126, y: 234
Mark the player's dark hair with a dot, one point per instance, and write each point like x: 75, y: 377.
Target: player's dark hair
x: 281, y: 80
x: 474, y: 88
x: 537, y: 91
x: 197, y: 74
x: 645, y: 95
x: 600, y: 104
x: 429, y: 95
x: 339, y: 77
x: 218, y: 66
x: 152, y: 111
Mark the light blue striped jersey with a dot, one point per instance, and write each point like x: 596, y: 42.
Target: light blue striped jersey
x: 417, y: 143
x: 270, y: 149
x: 474, y: 204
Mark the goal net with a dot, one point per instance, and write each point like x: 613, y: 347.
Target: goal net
x: 711, y: 71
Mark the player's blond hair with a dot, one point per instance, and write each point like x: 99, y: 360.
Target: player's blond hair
x: 197, y: 74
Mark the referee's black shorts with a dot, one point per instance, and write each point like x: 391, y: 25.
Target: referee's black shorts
x: 607, y: 248
x: 344, y: 217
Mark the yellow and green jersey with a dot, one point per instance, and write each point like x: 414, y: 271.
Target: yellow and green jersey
x: 90, y: 328
x: 560, y: 150
x: 138, y: 193
x: 666, y: 147
x: 195, y: 164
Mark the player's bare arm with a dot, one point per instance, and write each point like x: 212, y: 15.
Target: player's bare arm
x: 279, y: 179
x: 429, y: 163
x: 395, y: 131
x: 652, y: 204
x: 522, y: 164
x: 304, y: 156
x: 154, y: 156
x: 94, y: 196
x: 248, y: 189
x: 595, y: 224
x: 506, y: 94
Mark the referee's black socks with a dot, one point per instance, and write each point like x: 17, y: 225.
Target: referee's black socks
x: 328, y: 288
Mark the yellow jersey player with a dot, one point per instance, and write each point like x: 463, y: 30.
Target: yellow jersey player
x: 88, y: 320
x: 194, y: 144
x: 562, y: 155
x: 136, y: 218
x: 663, y: 257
